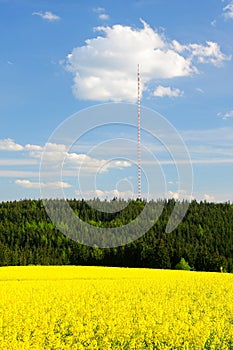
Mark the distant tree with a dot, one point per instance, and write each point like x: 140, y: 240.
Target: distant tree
x: 182, y: 265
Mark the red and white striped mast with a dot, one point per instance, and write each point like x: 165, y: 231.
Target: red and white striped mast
x: 139, y: 136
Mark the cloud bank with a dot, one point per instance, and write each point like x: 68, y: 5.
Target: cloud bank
x: 54, y: 154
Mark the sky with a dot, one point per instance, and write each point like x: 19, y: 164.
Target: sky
x: 68, y: 99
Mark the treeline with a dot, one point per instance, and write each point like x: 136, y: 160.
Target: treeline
x: 204, y: 238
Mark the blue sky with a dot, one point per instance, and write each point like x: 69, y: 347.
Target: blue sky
x: 59, y: 58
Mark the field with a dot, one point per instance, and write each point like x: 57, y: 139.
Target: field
x: 68, y: 307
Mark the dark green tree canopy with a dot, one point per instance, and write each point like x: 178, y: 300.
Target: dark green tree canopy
x: 203, y: 240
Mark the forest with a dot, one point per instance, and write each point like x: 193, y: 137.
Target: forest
x: 203, y: 239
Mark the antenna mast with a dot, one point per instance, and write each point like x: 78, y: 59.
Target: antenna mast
x: 139, y: 137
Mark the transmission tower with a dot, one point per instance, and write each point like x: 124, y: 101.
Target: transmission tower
x: 139, y: 136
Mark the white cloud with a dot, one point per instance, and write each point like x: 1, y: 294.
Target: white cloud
x: 228, y: 115
x: 163, y: 91
x: 29, y: 147
x: 200, y: 90
x: 104, y: 16
x: 9, y: 145
x: 102, y: 195
x: 209, y: 198
x: 52, y: 185
x: 98, y: 9
x: 180, y: 194
x: 174, y: 195
x: 228, y: 10
x: 102, y: 13
x: 53, y: 152
x: 104, y: 68
x: 216, y: 196
x: 209, y: 53
x: 48, y: 16
x: 56, y: 154
x: 89, y: 164
x: 213, y: 23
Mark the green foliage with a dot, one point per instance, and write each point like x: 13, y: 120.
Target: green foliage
x: 182, y: 265
x: 204, y: 238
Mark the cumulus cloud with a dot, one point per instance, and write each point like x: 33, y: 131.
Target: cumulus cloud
x: 51, y: 185
x: 104, y: 68
x: 167, y: 91
x: 48, y: 16
x: 228, y: 11
x: 209, y: 53
x: 9, y: 145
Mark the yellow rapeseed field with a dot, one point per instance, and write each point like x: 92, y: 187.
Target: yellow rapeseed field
x: 69, y: 307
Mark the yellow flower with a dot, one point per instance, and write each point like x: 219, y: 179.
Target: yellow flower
x: 100, y: 308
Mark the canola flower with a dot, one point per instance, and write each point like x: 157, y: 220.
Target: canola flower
x: 67, y: 307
